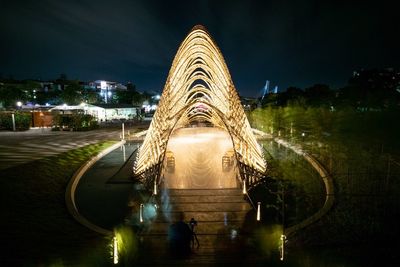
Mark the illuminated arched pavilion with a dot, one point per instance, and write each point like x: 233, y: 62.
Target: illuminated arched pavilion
x: 199, y: 88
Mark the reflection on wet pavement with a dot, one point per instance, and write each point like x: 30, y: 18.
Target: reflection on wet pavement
x: 194, y: 159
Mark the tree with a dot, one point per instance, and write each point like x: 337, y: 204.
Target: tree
x: 31, y: 88
x: 291, y: 94
x: 124, y: 97
x: 90, y: 97
x: 10, y: 93
x: 137, y: 99
x: 319, y: 95
x: 72, y: 93
x: 131, y: 87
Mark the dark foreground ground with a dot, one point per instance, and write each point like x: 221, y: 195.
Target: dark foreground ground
x: 37, y: 230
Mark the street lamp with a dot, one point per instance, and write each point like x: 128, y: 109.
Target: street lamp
x: 19, y: 104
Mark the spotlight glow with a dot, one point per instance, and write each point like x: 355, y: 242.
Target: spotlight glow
x: 155, y: 188
x: 282, y: 247
x: 115, y: 250
x: 141, y: 213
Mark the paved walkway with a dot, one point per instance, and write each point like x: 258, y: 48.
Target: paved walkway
x: 197, y: 154
x: 328, y: 183
x: 101, y: 203
x: 21, y: 147
x: 221, y: 229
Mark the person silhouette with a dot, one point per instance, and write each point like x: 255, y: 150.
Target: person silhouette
x: 179, y: 235
x: 193, y: 224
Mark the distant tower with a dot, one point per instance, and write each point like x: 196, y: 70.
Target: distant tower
x: 266, y: 89
x: 275, y: 89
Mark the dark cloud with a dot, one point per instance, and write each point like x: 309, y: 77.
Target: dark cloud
x: 288, y: 42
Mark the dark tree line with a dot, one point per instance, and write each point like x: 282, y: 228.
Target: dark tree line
x: 62, y: 90
x: 366, y: 90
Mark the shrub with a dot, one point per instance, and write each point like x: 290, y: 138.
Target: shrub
x: 76, y: 122
x: 22, y: 121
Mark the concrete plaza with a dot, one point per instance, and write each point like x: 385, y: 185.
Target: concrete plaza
x: 20, y: 147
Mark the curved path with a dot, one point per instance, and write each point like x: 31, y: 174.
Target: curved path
x: 181, y: 146
x: 70, y: 195
x: 326, y: 178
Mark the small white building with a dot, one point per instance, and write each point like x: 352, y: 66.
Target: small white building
x: 102, y: 112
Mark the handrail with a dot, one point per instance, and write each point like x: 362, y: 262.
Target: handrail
x: 247, y: 194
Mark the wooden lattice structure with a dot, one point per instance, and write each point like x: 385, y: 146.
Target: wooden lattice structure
x: 199, y: 88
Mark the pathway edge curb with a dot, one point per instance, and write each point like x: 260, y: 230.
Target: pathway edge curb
x: 323, y: 173
x: 327, y: 180
x: 73, y: 184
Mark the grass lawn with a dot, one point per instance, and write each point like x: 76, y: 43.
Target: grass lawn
x: 36, y: 228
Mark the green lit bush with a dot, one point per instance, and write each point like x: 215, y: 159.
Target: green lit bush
x: 75, y: 122
x: 22, y: 121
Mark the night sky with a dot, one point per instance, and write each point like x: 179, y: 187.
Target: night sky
x: 290, y: 43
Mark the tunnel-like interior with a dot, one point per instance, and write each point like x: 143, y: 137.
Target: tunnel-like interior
x: 200, y: 158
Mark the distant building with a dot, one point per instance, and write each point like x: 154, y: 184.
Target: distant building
x: 383, y: 79
x: 266, y: 90
x: 249, y: 103
x: 377, y: 88
x: 106, y: 88
x: 102, y: 112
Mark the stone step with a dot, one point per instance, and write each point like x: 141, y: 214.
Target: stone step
x: 205, y: 198
x: 214, y: 250
x: 203, y: 260
x: 199, y: 192
x: 219, y: 213
x: 208, y: 242
x: 201, y: 228
x: 204, y: 207
x: 202, y: 216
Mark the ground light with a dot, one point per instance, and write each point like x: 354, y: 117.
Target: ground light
x: 258, y: 211
x: 155, y: 187
x: 124, y: 152
x: 141, y: 213
x: 13, y: 121
x: 115, y: 250
x: 282, y: 248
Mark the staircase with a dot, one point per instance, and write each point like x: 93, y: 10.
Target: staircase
x: 220, y: 215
